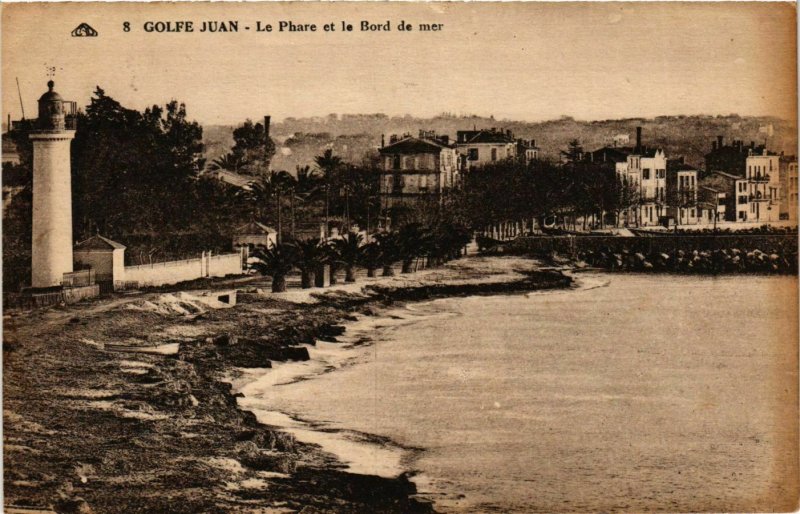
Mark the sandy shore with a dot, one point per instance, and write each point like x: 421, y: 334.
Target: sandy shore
x: 90, y: 427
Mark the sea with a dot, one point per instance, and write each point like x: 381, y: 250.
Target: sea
x: 624, y: 393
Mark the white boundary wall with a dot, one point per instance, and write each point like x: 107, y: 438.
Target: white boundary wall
x: 172, y: 272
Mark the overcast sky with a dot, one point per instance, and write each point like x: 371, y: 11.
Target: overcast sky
x: 516, y: 61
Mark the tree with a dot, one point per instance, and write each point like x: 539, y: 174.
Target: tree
x: 371, y: 257
x: 310, y: 255
x: 329, y: 165
x: 252, y: 147
x: 228, y: 162
x: 389, y: 248
x: 348, y: 251
x: 413, y: 239
x: 276, y: 262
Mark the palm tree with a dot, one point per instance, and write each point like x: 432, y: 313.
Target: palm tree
x: 348, y: 250
x: 308, y: 182
x: 371, y: 257
x: 283, y: 183
x: 389, y: 251
x: 328, y: 165
x: 310, y: 255
x: 332, y: 259
x: 277, y: 262
x: 228, y: 162
x: 257, y: 194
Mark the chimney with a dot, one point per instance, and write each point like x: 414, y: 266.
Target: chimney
x: 638, y: 139
x: 266, y: 126
x: 533, y: 143
x: 719, y: 142
x: 383, y: 140
x: 752, y: 144
x: 713, y: 146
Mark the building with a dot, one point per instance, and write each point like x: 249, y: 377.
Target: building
x: 682, y: 204
x: 416, y: 170
x: 788, y: 181
x: 253, y: 235
x: 620, y: 140
x: 480, y: 147
x: 647, y: 167
x: 52, y: 191
x: 616, y: 159
x: 763, y: 183
x: 731, y: 193
x: 730, y: 158
x: 105, y: 257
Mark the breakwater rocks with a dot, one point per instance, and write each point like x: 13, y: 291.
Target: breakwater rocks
x: 685, y: 253
x: 732, y: 260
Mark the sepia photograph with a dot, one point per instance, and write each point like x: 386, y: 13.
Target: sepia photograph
x: 399, y: 257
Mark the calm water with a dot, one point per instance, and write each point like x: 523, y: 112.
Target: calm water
x: 632, y: 393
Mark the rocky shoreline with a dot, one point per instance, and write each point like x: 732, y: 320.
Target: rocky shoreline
x: 88, y: 430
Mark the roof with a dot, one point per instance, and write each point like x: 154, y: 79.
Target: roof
x: 98, y: 242
x: 648, y: 152
x: 484, y: 136
x: 411, y: 145
x: 254, y: 227
x: 727, y: 175
x: 680, y: 166
x: 234, y: 179
x: 612, y: 154
x: 51, y: 95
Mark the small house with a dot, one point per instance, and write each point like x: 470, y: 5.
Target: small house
x: 254, y: 234
x: 104, y: 256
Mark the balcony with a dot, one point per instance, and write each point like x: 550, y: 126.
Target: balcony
x: 759, y: 178
x: 759, y: 198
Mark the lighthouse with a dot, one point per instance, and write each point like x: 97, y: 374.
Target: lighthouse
x: 52, y: 190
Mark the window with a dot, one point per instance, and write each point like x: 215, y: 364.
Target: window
x: 396, y: 164
x: 646, y: 173
x: 494, y: 154
x: 423, y: 183
x: 473, y: 154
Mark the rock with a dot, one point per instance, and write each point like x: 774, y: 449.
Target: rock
x: 75, y: 505
x: 263, y: 460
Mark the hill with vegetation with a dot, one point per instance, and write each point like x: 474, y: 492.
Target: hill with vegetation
x: 356, y: 136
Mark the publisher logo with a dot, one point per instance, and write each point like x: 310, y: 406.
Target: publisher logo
x: 84, y: 30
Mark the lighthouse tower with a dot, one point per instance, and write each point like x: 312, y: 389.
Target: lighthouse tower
x: 52, y: 190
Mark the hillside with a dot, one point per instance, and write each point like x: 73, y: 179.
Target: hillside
x: 356, y: 136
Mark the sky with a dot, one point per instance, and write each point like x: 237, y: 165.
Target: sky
x: 531, y: 61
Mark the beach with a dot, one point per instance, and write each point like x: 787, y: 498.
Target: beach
x: 125, y: 404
